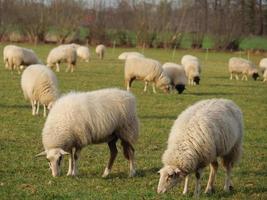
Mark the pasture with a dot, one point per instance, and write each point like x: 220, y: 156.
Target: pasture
x: 24, y: 177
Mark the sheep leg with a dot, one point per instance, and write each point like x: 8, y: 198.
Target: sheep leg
x: 44, y: 110
x: 113, y: 154
x: 33, y: 107
x: 228, y: 186
x: 128, y: 85
x: 154, y: 88
x: 128, y: 152
x: 57, y: 66
x: 231, y: 76
x: 198, y: 186
x: 73, y: 162
x: 236, y: 77
x: 38, y: 105
x: 145, y: 88
x: 72, y: 67
x: 186, y: 184
x: 213, y: 171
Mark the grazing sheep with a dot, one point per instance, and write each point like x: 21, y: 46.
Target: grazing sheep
x: 84, y: 53
x: 192, y: 68
x: 148, y: 70
x: 100, y: 51
x: 126, y: 55
x: 176, y: 73
x: 39, y: 85
x: 63, y: 53
x: 242, y: 66
x: 82, y: 118
x: 207, y: 130
x: 17, y: 58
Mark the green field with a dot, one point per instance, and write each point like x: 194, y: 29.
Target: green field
x: 24, y: 177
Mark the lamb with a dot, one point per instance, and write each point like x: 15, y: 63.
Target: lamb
x: 177, y: 76
x: 192, y: 68
x: 39, y: 85
x: 242, y: 66
x: 17, y: 58
x: 148, y: 70
x: 100, y: 51
x: 126, y: 55
x: 207, y: 130
x: 62, y: 53
x: 82, y: 118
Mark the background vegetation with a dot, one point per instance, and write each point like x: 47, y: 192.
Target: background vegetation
x: 23, y: 177
x: 213, y: 24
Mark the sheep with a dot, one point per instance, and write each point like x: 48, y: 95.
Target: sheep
x: 204, y: 131
x: 242, y: 66
x: 126, y: 55
x: 62, y: 53
x: 17, y: 58
x: 265, y: 76
x: 39, y: 85
x: 192, y: 68
x: 84, y: 53
x: 148, y: 70
x: 82, y: 118
x: 176, y: 74
x: 100, y: 51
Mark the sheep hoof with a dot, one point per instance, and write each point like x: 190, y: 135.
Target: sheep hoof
x: 106, y: 173
x: 210, y: 191
x: 132, y: 174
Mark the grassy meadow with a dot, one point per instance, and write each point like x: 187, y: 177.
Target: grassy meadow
x: 24, y: 177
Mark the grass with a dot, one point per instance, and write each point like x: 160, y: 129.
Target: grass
x: 23, y: 177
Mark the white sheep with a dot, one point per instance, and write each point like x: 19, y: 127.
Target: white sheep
x: 39, y: 85
x: 192, y: 68
x: 17, y: 58
x: 84, y: 53
x: 204, y: 131
x: 82, y: 118
x: 100, y: 51
x: 265, y: 76
x: 148, y: 70
x: 176, y: 73
x: 63, y: 53
x: 242, y: 66
x: 126, y: 55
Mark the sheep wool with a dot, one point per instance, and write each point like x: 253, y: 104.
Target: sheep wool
x: 100, y: 51
x: 148, y: 70
x: 242, y: 66
x: 17, y: 58
x: 127, y: 55
x: 192, y: 68
x: 204, y: 131
x: 39, y: 85
x: 176, y: 73
x: 62, y: 54
x: 82, y: 118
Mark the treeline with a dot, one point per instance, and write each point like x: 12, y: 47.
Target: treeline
x: 160, y: 24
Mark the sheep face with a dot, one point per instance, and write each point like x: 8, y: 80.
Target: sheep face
x: 164, y: 83
x: 169, y: 177
x: 180, y: 88
x: 54, y: 158
x: 197, y: 80
x: 255, y: 76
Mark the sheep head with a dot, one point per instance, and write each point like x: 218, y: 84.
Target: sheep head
x: 164, y: 82
x: 54, y: 158
x: 169, y: 177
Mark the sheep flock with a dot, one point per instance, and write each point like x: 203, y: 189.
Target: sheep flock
x: 205, y: 131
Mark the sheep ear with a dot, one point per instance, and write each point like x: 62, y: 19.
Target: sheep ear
x: 41, y: 154
x: 62, y: 152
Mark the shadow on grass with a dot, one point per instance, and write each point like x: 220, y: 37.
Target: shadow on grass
x: 14, y: 106
x: 211, y: 94
x: 158, y: 117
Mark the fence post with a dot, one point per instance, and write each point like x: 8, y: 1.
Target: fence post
x: 173, y: 53
x: 114, y: 46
